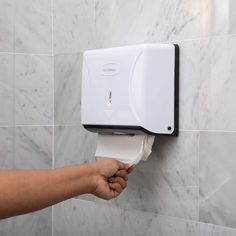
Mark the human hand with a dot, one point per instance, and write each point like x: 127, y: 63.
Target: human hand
x: 111, y: 178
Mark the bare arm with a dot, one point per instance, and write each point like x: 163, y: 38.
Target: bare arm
x: 25, y: 191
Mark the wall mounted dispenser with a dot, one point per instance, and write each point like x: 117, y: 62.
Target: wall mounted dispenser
x: 131, y: 90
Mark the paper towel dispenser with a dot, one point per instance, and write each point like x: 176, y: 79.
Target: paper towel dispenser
x: 131, y: 89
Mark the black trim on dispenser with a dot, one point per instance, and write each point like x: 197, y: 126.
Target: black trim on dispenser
x: 132, y: 130
x: 117, y: 129
x: 176, y: 93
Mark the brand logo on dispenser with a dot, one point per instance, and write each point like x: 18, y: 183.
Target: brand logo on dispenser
x: 110, y: 69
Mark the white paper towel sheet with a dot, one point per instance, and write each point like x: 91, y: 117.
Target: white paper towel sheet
x: 125, y: 148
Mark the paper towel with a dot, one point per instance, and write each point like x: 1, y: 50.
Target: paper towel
x: 125, y: 148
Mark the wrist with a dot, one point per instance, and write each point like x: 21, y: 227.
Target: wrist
x: 91, y: 176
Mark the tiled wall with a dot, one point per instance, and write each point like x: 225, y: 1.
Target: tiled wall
x: 188, y: 185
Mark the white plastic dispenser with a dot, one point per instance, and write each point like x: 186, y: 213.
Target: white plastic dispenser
x: 130, y: 94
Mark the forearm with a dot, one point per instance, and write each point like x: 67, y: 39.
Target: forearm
x: 26, y: 191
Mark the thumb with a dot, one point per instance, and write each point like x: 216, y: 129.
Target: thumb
x: 123, y: 166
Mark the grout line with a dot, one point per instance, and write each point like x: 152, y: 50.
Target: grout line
x: 52, y: 21
x: 67, y: 125
x: 53, y: 85
x: 13, y: 107
x: 210, y: 131
x: 26, y: 54
x: 14, y: 84
x: 93, y: 26
x: 52, y: 220
x: 198, y: 175
x: 197, y: 38
x: 82, y: 51
x: 53, y: 101
x: 21, y: 126
x: 73, y: 125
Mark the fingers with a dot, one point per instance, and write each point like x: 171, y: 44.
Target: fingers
x: 122, y: 166
x: 123, y: 174
x: 116, y: 187
x: 128, y: 167
x: 118, y: 180
x: 131, y: 169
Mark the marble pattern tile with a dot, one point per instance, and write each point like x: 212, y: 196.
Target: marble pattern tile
x: 174, y: 159
x: 138, y: 223
x: 120, y: 22
x: 6, y: 25
x: 73, y: 26
x: 68, y: 72
x: 73, y: 145
x: 6, y: 148
x: 109, y: 221
x: 218, y: 178
x: 74, y: 217
x: 145, y: 193
x: 214, y: 230
x: 33, y: 90
x: 168, y: 182
x: 189, y: 82
x: 35, y: 224
x: 218, y: 17
x: 166, y: 187
x: 33, y: 147
x: 217, y: 110
x: 6, y: 227
x: 33, y: 26
x: 6, y: 89
x: 115, y: 221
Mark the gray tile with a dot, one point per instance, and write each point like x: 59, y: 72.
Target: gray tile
x: 218, y: 17
x: 218, y: 178
x: 109, y: 221
x: 87, y: 197
x: 6, y: 148
x: 138, y: 223
x: 33, y: 147
x: 6, y: 227
x: 73, y: 145
x: 174, y: 159
x: 6, y: 88
x: 189, y: 83
x: 115, y: 221
x: 214, y: 230
x: 146, y: 193
x: 35, y: 224
x: 74, y: 217
x: 68, y: 88
x: 33, y: 90
x: 217, y: 110
x: 33, y: 26
x: 6, y: 25
x: 167, y: 182
x: 73, y: 25
x: 120, y: 22
x: 232, y: 17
